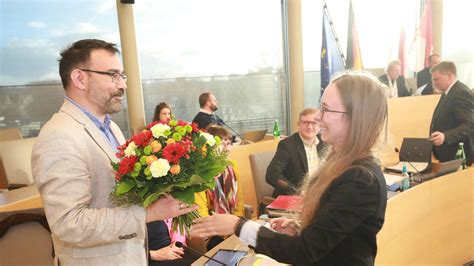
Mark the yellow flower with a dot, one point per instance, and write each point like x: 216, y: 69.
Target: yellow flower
x: 175, y: 169
x: 170, y: 141
x: 150, y: 159
x: 159, y: 168
x: 156, y: 146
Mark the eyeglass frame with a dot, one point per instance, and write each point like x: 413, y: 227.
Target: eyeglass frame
x: 324, y: 109
x: 307, y: 123
x: 115, y: 75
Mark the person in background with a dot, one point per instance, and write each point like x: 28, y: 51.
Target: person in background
x: 161, y: 239
x: 424, y: 76
x: 452, y: 118
x: 395, y: 82
x: 227, y: 196
x: 296, y: 156
x: 344, y: 204
x: 162, y: 112
x: 206, y: 116
x: 72, y: 169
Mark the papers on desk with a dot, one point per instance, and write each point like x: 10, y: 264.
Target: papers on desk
x: 392, y: 179
x: 420, y: 90
x: 420, y: 167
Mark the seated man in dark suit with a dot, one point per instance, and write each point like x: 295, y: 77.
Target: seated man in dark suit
x: 452, y: 117
x: 424, y: 76
x: 394, y: 81
x: 206, y: 116
x: 296, y: 156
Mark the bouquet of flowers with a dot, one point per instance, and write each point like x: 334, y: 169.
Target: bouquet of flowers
x: 167, y: 158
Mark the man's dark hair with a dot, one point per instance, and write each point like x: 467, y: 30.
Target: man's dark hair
x: 204, y: 98
x: 445, y: 67
x: 77, y: 55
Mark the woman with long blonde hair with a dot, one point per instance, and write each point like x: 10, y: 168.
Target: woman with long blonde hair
x: 344, y: 204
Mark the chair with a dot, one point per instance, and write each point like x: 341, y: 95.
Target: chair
x: 25, y: 239
x: 12, y: 133
x: 15, y: 161
x: 259, y: 163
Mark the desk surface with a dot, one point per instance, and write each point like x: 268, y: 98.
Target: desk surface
x: 20, y: 199
x: 232, y: 242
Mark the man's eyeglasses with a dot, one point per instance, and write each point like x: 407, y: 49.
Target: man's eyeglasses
x: 324, y: 109
x: 115, y: 76
x: 307, y: 123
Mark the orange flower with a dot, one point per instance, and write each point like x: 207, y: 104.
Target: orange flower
x: 204, y: 150
x: 170, y: 141
x: 156, y: 146
x: 175, y: 169
x: 150, y: 159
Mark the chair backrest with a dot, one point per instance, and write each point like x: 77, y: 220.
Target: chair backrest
x: 25, y: 243
x: 15, y: 156
x: 259, y: 163
x: 10, y: 134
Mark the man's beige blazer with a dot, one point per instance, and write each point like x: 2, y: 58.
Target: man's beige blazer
x: 71, y: 164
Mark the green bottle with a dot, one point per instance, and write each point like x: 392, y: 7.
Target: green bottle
x: 276, y: 130
x: 461, y: 155
x: 405, y: 179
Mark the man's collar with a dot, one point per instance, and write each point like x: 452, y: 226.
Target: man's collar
x: 307, y: 143
x: 100, y: 124
x: 205, y: 111
x: 450, y: 86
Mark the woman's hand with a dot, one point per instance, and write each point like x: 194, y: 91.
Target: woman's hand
x: 170, y: 252
x: 215, y: 225
x: 285, y: 226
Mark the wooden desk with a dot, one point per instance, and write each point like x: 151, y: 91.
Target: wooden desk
x: 20, y: 199
x: 430, y: 224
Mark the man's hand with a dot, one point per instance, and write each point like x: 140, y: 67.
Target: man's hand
x: 437, y: 138
x: 167, y: 207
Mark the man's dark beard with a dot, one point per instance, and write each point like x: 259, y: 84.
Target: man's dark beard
x: 214, y: 108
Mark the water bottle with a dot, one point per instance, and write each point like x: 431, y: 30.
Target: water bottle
x: 276, y: 130
x: 461, y: 155
x: 405, y: 178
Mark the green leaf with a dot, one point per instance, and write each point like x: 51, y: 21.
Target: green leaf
x: 150, y: 199
x: 186, y: 196
x: 124, y: 186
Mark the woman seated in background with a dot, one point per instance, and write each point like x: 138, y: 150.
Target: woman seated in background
x: 161, y: 239
x: 344, y: 204
x: 162, y: 113
x: 227, y: 196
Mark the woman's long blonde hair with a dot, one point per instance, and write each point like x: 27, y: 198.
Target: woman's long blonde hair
x: 363, y: 97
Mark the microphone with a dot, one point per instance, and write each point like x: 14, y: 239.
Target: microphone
x: 181, y: 245
x: 231, y: 129
x: 422, y: 177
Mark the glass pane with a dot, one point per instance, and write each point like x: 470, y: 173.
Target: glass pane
x: 231, y: 48
x: 32, y: 35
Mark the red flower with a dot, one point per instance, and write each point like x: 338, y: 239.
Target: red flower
x: 173, y: 152
x: 126, y: 165
x: 196, y: 128
x: 142, y: 138
x: 182, y: 123
x: 151, y: 124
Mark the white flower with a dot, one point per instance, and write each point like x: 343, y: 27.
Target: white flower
x: 159, y: 168
x: 159, y: 129
x: 130, y: 150
x: 211, y: 141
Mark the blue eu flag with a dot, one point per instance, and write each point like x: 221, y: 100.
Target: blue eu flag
x: 331, y: 60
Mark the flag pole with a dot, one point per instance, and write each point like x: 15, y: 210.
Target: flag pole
x: 333, y: 30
